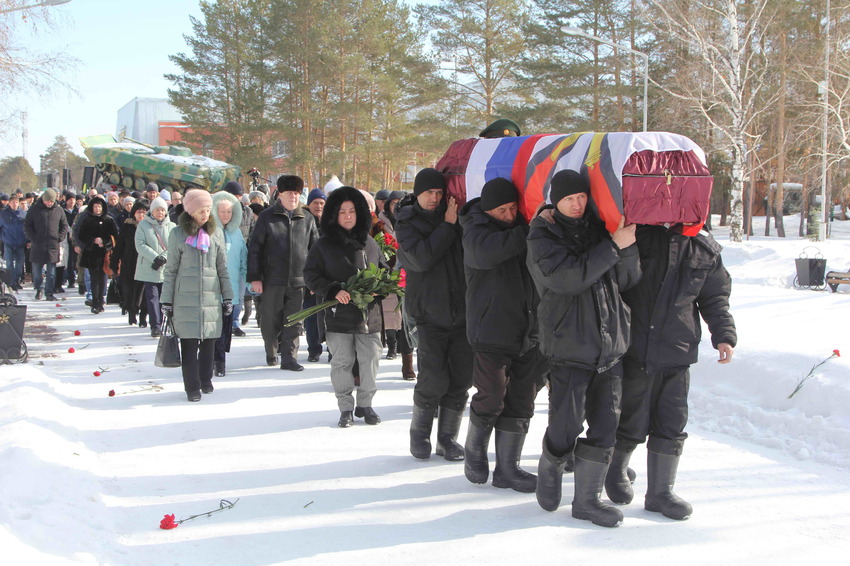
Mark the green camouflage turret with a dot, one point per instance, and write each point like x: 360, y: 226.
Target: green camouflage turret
x: 133, y: 165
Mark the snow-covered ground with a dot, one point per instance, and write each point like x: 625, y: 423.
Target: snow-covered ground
x: 86, y: 478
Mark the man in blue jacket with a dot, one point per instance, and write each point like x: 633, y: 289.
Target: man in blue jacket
x: 14, y: 241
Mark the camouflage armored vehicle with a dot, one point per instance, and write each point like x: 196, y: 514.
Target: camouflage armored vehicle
x: 132, y: 165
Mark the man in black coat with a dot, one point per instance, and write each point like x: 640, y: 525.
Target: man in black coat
x: 276, y: 256
x: 431, y: 251
x: 46, y: 226
x: 683, y: 279
x: 579, y: 271
x: 501, y: 324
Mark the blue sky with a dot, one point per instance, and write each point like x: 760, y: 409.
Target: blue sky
x: 123, y: 48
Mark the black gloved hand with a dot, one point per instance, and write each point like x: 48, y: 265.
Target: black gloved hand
x: 227, y: 307
x: 167, y: 309
x: 158, y: 262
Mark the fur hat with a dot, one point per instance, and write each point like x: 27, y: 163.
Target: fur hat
x: 290, y: 183
x: 330, y: 217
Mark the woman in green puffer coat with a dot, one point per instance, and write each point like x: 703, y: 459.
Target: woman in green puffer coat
x: 196, y: 292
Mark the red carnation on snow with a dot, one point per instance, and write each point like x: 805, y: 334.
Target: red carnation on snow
x: 112, y: 394
x: 96, y: 373
x: 168, y: 522
x: 71, y: 350
x: 837, y: 353
x: 77, y: 333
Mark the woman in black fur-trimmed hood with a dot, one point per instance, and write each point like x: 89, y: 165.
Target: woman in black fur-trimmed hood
x: 344, y: 249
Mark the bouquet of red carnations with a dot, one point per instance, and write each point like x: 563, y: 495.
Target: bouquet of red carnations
x: 363, y: 286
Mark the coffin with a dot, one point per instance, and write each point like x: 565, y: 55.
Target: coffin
x: 648, y: 177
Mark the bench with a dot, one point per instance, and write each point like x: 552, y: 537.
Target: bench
x: 836, y: 278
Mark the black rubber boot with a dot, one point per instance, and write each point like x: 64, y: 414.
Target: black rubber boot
x: 392, y: 344
x: 550, y: 475
x: 590, y: 470
x: 420, y: 432
x: 618, y: 485
x: 448, y: 425
x: 507, y: 472
x: 661, y: 476
x: 476, y: 467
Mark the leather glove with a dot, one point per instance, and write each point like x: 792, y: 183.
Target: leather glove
x: 158, y: 262
x: 167, y: 309
x: 227, y: 308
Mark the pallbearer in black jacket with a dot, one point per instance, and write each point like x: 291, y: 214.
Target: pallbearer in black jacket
x: 501, y: 324
x: 431, y: 252
x: 683, y: 279
x: 579, y: 271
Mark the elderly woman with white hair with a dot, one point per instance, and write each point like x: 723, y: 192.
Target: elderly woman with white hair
x: 227, y: 213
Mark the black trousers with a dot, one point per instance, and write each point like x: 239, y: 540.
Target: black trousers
x: 98, y: 284
x: 654, y: 405
x: 506, y: 386
x: 577, y: 394
x: 445, y: 368
x: 278, y: 303
x: 197, y: 358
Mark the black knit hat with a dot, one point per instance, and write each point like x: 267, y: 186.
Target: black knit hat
x: 565, y: 183
x: 290, y: 183
x: 428, y: 179
x: 383, y: 194
x: 497, y: 192
x: 234, y: 188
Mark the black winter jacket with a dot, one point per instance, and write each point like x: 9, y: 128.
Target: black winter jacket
x: 278, y: 247
x: 45, y: 228
x: 125, y: 255
x: 501, y: 301
x: 431, y: 251
x: 579, y: 273
x: 338, y: 255
x: 683, y: 278
x: 91, y: 227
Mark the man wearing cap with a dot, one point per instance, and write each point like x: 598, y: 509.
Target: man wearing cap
x: 579, y: 271
x: 14, y: 241
x: 388, y: 214
x: 71, y: 211
x: 431, y: 251
x: 151, y: 191
x: 4, y: 200
x: 314, y: 326
x: 46, y: 227
x: 381, y: 200
x: 501, y: 324
x: 501, y: 128
x: 276, y: 256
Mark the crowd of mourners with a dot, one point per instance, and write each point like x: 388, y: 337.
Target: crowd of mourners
x: 609, y: 323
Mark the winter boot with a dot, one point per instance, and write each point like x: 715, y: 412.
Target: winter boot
x: 392, y: 344
x: 219, y: 369
x: 407, y: 371
x: 448, y: 425
x: 618, y: 485
x: 591, y: 467
x: 661, y: 475
x: 475, y: 465
x: 420, y: 432
x: 550, y: 474
x: 508, y: 451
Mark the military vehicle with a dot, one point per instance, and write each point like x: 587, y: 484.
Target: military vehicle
x: 132, y: 165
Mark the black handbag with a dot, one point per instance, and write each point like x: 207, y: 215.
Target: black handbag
x: 168, y: 349
x: 113, y: 293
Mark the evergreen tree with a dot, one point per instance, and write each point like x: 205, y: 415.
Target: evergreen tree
x: 16, y: 173
x: 222, y: 90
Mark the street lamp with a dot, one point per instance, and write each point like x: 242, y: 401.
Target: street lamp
x: 581, y: 33
x: 36, y: 5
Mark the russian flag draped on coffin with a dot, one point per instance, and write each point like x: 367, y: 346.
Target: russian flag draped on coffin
x: 650, y: 177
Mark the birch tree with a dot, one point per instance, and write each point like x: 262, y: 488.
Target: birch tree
x: 721, y: 68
